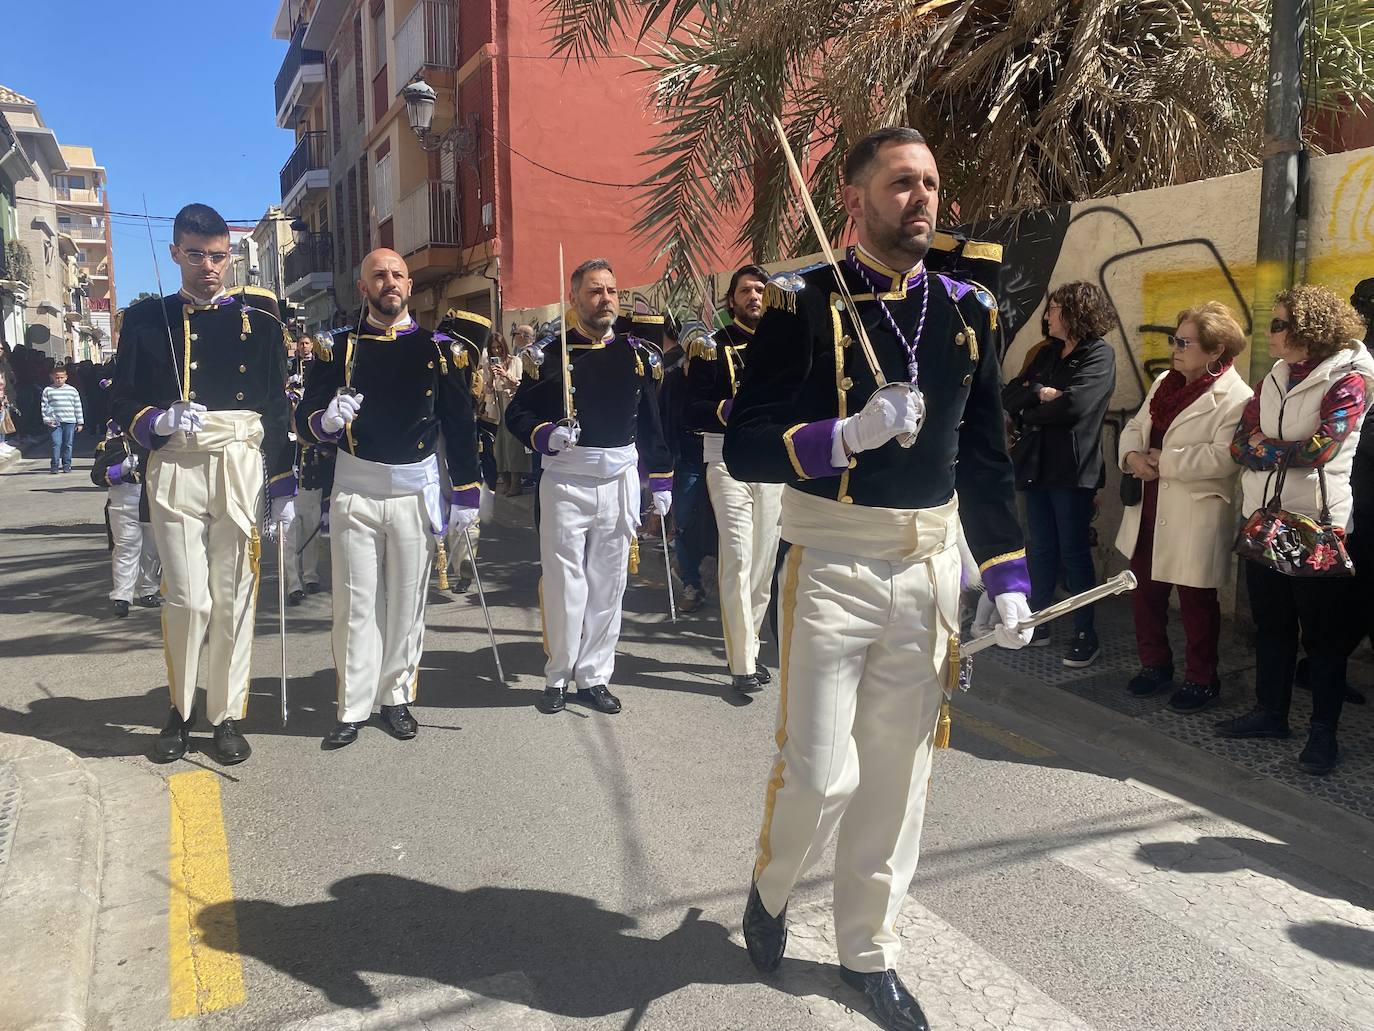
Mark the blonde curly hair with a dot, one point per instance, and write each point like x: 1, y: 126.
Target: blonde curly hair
x: 1319, y: 320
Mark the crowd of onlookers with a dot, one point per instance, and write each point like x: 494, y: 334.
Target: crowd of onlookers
x: 1279, y: 474
x: 27, y: 381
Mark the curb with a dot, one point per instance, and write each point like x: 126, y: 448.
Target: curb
x: 50, y: 896
x: 1116, y: 745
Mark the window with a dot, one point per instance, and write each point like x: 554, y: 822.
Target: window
x: 334, y: 117
x: 379, y: 39
x: 383, y: 186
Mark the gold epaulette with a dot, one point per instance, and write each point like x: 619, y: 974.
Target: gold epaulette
x: 529, y: 366
x: 702, y: 347
x: 774, y: 296
x: 460, y: 355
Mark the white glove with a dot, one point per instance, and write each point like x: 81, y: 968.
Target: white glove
x: 563, y: 437
x: 889, y: 413
x: 1004, y: 617
x: 283, y: 512
x: 663, y: 501
x: 462, y: 518
x: 341, y: 412
x: 128, y: 467
x: 182, y: 417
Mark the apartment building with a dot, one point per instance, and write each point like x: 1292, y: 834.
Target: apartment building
x: 524, y: 153
x: 63, y: 225
x: 15, y: 263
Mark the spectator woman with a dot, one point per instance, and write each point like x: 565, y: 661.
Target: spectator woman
x: 1180, y: 534
x: 1057, y: 406
x: 1305, y: 415
x: 511, y: 461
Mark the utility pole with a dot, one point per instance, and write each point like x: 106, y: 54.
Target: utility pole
x: 1281, y: 188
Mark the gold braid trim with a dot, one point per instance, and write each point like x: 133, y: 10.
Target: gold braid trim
x: 776, y: 297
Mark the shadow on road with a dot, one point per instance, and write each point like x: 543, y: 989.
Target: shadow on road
x: 582, y: 959
x: 1339, y: 942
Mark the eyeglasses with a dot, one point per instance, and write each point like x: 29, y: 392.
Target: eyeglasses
x: 1180, y: 343
x: 201, y: 257
x: 1279, y: 325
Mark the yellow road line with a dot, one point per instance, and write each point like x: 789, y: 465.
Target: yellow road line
x: 1023, y: 747
x: 206, y: 972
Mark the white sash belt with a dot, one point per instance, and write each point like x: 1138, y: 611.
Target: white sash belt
x: 380, y: 480
x: 596, y: 465
x: 890, y: 534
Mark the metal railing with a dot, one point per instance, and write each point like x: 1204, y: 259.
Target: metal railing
x: 314, y: 253
x: 296, y: 55
x: 425, y: 216
x: 83, y: 230
x: 79, y: 196
x: 311, y: 154
x: 427, y: 38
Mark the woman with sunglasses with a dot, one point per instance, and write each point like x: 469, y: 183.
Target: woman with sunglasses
x: 1305, y: 416
x: 1179, y: 535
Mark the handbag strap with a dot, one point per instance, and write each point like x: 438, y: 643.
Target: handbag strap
x: 1323, y: 517
x: 1275, y: 501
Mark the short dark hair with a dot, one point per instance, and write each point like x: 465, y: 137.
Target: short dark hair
x: 198, y: 220
x: 753, y: 271
x: 1084, y: 310
x: 590, y: 265
x: 862, y: 154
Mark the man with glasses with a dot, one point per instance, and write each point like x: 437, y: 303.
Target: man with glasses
x: 200, y: 382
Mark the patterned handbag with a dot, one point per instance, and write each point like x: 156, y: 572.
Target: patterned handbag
x: 1291, y: 543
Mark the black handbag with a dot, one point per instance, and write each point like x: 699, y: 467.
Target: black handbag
x: 1132, y: 490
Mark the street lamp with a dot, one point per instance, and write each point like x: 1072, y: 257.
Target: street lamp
x: 420, y: 101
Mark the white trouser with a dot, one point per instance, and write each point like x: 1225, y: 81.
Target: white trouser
x: 584, y: 545
x: 381, y: 550
x: 133, y: 562
x: 303, y: 541
x: 205, y: 496
x: 864, y: 644
x: 747, y: 516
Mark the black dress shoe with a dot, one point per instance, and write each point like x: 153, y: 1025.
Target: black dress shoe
x: 295, y: 597
x: 312, y: 588
x: 150, y: 601
x: 1258, y: 722
x: 765, y: 935
x: 554, y: 699
x: 1321, y: 752
x: 343, y: 734
x: 762, y: 675
x: 231, y: 747
x: 747, y: 683
x: 461, y: 584
x: 121, y: 608
x: 398, y: 720
x: 599, y: 699
x: 171, y: 743
x: 1194, y: 697
x: 1150, y: 680
x: 894, y: 1007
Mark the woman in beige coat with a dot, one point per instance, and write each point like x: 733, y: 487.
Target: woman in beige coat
x: 1180, y: 534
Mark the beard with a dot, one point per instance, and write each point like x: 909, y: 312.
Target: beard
x: 597, y: 319
x: 389, y: 304
x: 899, y: 239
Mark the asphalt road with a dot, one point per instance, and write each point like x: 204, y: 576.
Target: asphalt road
x: 508, y: 869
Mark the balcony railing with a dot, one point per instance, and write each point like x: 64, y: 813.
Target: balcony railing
x: 296, y: 56
x: 314, y: 253
x: 78, y: 196
x: 311, y: 154
x: 426, y: 216
x: 426, y: 38
x: 83, y: 230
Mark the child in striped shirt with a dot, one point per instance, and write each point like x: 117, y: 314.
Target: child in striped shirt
x: 64, y: 418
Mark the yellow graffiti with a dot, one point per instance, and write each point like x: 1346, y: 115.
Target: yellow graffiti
x: 1358, y: 180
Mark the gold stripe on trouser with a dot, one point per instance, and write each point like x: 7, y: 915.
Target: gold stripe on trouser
x: 864, y: 643
x: 584, y: 548
x: 787, y: 606
x: 199, y: 501
x: 381, y: 551
x: 747, y: 517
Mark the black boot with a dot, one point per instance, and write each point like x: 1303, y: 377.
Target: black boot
x: 343, y: 734
x: 1321, y: 753
x: 554, y: 699
x: 1258, y: 722
x: 894, y: 1007
x: 762, y: 675
x: 171, y: 743
x: 599, y: 698
x: 765, y: 935
x: 398, y: 720
x: 231, y: 747
x: 746, y: 684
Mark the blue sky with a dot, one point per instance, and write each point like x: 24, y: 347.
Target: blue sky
x: 176, y: 98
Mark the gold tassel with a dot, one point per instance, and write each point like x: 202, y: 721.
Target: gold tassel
x: 942, y: 726
x: 634, y: 555
x: 247, y: 326
x: 442, y: 559
x: 776, y: 297
x: 944, y: 723
x: 254, y: 551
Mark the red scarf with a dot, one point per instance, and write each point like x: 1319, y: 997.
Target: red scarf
x: 1176, y: 394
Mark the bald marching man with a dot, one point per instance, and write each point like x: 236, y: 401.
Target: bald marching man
x: 383, y: 395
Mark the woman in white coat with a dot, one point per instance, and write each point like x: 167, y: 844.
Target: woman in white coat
x: 1180, y: 534
x: 1305, y: 417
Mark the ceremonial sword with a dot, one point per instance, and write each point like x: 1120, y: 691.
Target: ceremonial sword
x: 182, y: 387
x: 482, y: 597
x: 281, y: 610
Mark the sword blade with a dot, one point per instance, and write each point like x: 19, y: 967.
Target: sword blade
x: 281, y: 612
x: 482, y: 597
x: 668, y: 570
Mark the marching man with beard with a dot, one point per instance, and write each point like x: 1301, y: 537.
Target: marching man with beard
x: 200, y: 381
x: 384, y: 395
x: 589, y: 490
x: 870, y: 589
x: 746, y: 513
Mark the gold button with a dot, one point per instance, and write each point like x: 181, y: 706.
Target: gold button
x: 194, y: 337
x: 191, y: 396
x: 839, y: 305
x: 959, y: 337
x: 846, y: 383
x: 431, y: 365
x: 968, y: 379
x: 238, y: 396
x: 846, y: 340
x: 420, y: 446
x: 428, y: 392
x: 1165, y: 486
x: 195, y: 365
x: 243, y: 368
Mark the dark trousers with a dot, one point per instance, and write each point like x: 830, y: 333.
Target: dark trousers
x: 689, y: 508
x: 1058, y: 519
x: 1324, y: 612
x: 1199, y: 607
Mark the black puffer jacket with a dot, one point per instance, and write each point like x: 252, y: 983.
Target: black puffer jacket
x: 1059, y: 442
